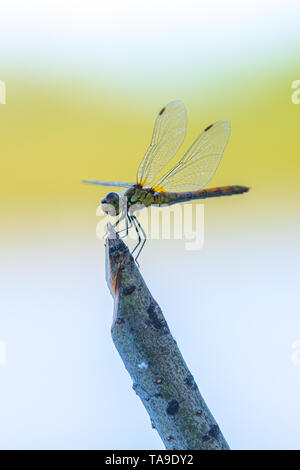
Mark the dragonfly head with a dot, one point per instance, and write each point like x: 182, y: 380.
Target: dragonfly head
x: 111, y: 204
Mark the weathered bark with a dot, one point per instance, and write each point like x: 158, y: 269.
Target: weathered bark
x: 150, y: 354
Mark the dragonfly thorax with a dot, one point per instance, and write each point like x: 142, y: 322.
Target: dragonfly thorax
x: 138, y: 197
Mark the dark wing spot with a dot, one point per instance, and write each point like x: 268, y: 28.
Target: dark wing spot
x: 162, y: 111
x: 208, y: 127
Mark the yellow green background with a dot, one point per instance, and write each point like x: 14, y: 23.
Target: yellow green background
x: 84, y: 83
x: 55, y: 133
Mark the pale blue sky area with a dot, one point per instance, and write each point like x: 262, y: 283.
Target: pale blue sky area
x: 232, y: 308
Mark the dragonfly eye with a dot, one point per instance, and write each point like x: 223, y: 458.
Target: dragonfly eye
x: 110, y: 204
x: 110, y: 197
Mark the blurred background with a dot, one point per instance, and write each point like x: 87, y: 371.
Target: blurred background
x: 84, y: 82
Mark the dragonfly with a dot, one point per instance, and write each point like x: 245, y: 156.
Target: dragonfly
x: 182, y: 183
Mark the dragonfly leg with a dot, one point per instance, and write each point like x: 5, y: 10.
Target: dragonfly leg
x: 118, y: 221
x: 128, y: 226
x: 124, y: 229
x: 134, y: 222
x: 115, y: 225
x: 144, y: 241
x: 138, y: 229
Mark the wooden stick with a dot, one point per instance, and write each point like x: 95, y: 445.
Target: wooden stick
x: 151, y: 356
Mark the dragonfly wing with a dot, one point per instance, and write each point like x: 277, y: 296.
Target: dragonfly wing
x: 200, y: 162
x: 108, y: 183
x: 168, y: 135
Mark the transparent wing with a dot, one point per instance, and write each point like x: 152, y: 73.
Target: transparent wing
x: 108, y: 183
x: 200, y: 162
x: 168, y: 135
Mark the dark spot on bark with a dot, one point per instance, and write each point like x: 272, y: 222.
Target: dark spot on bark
x: 128, y: 290
x: 162, y: 111
x: 190, y: 382
x: 157, y: 395
x: 173, y: 407
x: 208, y: 127
x: 155, y: 321
x: 214, y: 431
